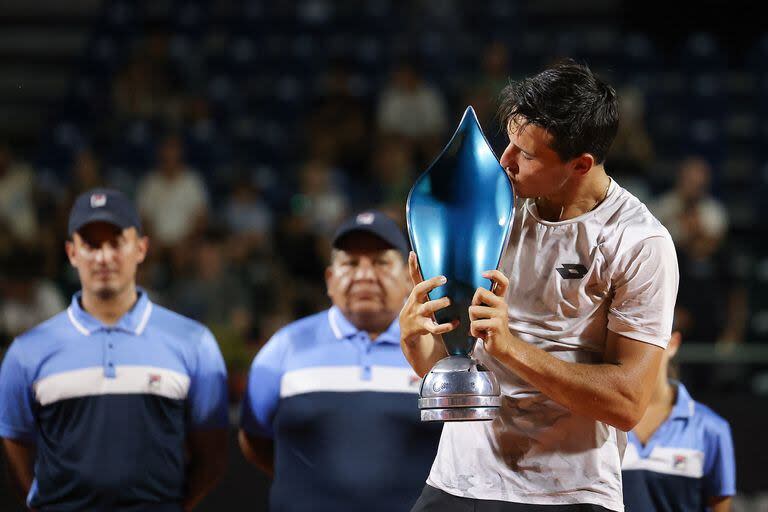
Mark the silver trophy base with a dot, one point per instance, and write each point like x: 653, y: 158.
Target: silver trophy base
x: 457, y: 388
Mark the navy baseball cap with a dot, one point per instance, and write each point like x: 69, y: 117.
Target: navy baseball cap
x: 376, y: 223
x: 103, y: 205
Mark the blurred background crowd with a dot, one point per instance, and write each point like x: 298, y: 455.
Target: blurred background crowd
x: 247, y: 129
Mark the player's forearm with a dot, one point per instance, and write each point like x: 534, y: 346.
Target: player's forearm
x: 599, y: 391
x: 423, y: 352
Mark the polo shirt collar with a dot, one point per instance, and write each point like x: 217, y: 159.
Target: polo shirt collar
x: 133, y: 322
x: 684, y: 404
x: 343, y: 328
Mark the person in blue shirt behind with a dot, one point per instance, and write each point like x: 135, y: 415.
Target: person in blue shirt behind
x: 115, y: 404
x: 331, y: 408
x: 679, y: 458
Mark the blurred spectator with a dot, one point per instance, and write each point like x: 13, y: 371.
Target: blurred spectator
x: 632, y: 152
x: 319, y: 200
x: 408, y: 106
x: 172, y: 198
x: 483, y: 92
x: 247, y: 215
x: 711, y: 303
x: 690, y: 213
x: 28, y: 298
x: 85, y: 174
x: 18, y: 215
x: 393, y: 175
x: 210, y: 291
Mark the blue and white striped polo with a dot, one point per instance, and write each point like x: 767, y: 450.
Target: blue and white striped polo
x: 343, y: 413
x: 688, y: 460
x: 109, y: 407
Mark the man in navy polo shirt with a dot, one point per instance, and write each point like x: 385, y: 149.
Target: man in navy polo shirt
x: 680, y: 456
x: 115, y: 403
x: 331, y: 405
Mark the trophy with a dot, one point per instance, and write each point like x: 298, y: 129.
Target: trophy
x: 459, y: 214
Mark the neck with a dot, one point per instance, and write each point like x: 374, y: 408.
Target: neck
x: 664, y: 391
x: 576, y: 197
x: 374, y: 327
x: 110, y: 310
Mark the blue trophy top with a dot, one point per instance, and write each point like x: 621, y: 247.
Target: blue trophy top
x: 459, y: 214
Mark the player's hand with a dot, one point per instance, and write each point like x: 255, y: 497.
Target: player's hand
x: 417, y: 317
x: 489, y: 315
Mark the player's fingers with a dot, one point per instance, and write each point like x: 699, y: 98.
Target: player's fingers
x: 429, y: 307
x: 486, y: 297
x: 421, y: 290
x: 436, y: 328
x: 481, y: 312
x: 500, y: 282
x: 413, y: 268
x: 480, y: 328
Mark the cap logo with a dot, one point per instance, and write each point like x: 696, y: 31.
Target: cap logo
x: 365, y: 218
x: 98, y: 200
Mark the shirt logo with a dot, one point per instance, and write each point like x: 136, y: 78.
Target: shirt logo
x: 572, y: 271
x: 680, y: 462
x: 98, y: 200
x: 154, y: 380
x: 365, y: 218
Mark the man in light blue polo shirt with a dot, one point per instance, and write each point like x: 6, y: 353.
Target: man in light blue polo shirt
x: 331, y: 404
x: 680, y: 456
x: 115, y: 403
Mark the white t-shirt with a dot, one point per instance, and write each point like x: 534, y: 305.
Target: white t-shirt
x: 613, y: 268
x: 172, y: 205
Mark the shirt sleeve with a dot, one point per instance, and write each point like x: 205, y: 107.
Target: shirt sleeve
x: 645, y: 291
x: 208, y: 405
x: 262, y: 395
x: 16, y: 401
x: 719, y: 462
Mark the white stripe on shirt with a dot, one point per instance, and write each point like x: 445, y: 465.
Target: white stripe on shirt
x: 348, y: 379
x: 147, y: 380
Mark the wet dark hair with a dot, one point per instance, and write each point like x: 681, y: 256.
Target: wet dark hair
x: 577, y: 108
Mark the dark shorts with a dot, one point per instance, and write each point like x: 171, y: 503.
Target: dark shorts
x: 435, y: 500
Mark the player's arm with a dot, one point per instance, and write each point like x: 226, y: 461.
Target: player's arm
x: 616, y: 391
x: 720, y: 504
x: 259, y: 451
x: 420, y: 336
x: 207, y: 463
x: 19, y: 456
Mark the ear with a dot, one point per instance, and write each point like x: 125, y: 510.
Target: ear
x: 583, y: 163
x: 328, y: 279
x: 71, y: 250
x: 674, y: 343
x: 143, y: 243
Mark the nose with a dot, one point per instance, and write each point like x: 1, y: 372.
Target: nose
x: 507, y: 159
x: 364, y: 270
x: 104, y: 253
